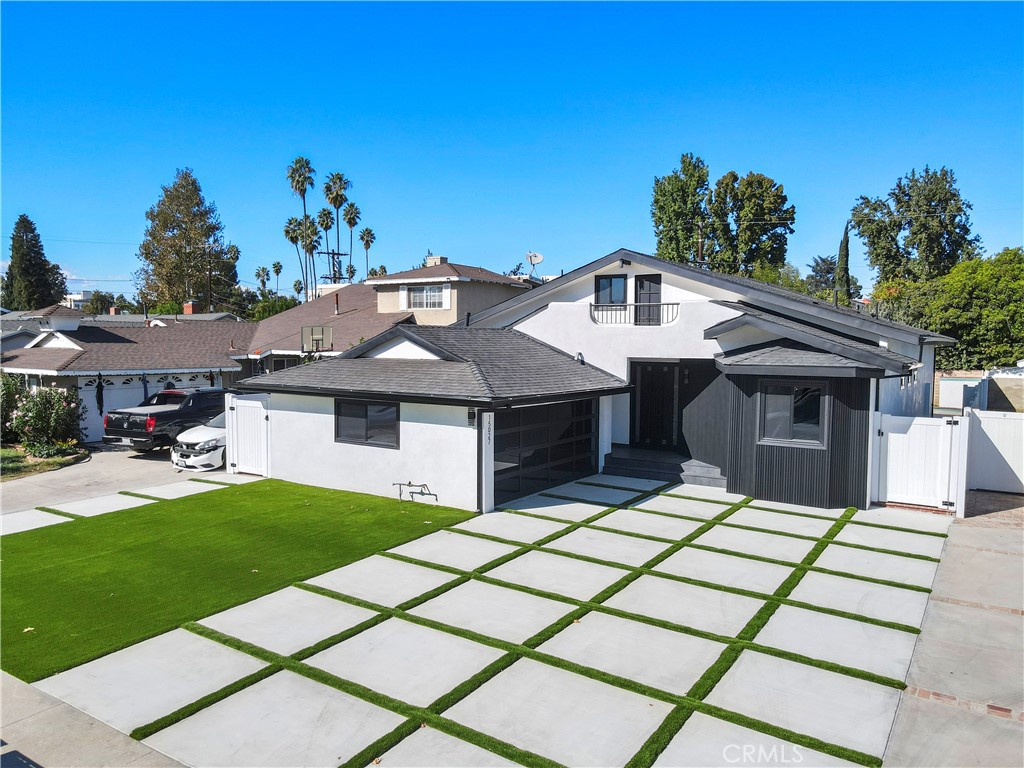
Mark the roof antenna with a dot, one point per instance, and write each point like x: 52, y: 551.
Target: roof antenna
x: 534, y: 259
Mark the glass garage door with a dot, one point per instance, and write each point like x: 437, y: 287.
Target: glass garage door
x: 542, y: 446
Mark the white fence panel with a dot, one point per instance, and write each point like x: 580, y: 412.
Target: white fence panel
x: 921, y: 461
x: 996, y: 451
x: 248, y: 435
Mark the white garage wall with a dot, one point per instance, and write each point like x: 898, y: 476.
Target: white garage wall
x: 438, y: 448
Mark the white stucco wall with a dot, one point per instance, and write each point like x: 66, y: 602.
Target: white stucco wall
x: 437, y: 447
x: 911, y: 395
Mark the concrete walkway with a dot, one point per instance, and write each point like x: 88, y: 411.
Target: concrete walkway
x: 48, y: 732
x: 964, y: 704
x: 679, y: 575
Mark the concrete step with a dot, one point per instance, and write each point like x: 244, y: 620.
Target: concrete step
x: 692, y: 472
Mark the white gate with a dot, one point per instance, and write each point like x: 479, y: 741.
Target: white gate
x: 922, y: 461
x: 996, y: 455
x: 248, y: 434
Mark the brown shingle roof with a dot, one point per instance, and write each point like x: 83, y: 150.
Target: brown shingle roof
x: 58, y: 310
x: 356, y: 321
x: 448, y: 270
x: 188, y: 346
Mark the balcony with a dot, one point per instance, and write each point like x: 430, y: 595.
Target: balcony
x: 634, y: 314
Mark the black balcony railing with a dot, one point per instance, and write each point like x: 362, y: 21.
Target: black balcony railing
x: 634, y: 314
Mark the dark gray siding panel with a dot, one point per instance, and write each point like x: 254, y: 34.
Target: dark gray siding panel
x: 704, y: 401
x: 834, y: 477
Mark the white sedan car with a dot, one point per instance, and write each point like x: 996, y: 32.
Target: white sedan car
x: 201, y: 449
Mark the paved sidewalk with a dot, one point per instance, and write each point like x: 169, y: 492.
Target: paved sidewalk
x: 964, y: 704
x: 53, y: 734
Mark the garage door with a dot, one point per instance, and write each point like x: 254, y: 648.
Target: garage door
x: 542, y: 446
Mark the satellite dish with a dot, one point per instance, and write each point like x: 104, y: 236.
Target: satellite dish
x: 534, y: 259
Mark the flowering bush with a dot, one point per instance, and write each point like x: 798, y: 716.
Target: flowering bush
x: 11, y: 394
x: 48, y: 421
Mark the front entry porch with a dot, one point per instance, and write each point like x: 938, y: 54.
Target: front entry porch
x: 669, y: 466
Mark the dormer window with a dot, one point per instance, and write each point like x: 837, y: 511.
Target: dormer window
x: 426, y: 297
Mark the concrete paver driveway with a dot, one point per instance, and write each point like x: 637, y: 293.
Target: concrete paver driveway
x: 674, y: 627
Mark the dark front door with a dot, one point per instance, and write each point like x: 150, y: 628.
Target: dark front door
x: 655, y: 405
x: 648, y: 299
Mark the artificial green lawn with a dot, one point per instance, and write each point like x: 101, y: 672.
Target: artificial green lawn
x: 95, y: 585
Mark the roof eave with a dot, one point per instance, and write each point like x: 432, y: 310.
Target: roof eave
x: 816, y: 371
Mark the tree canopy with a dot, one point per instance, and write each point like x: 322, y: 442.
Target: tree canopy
x: 920, y: 229
x: 741, y: 222
x: 32, y: 281
x: 183, y: 241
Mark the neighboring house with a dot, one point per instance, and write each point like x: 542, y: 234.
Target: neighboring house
x: 678, y: 372
x: 442, y: 293
x: 327, y: 326
x: 125, y: 362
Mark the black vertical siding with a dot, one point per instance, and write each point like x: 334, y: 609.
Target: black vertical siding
x: 833, y: 477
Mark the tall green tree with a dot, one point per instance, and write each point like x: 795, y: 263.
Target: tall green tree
x: 276, y: 268
x: 351, y: 216
x: 920, y: 230
x: 269, y: 306
x: 32, y: 281
x: 367, y: 238
x: 336, y: 193
x: 300, y: 177
x: 679, y: 210
x: 843, y: 287
x: 751, y: 220
x: 821, y: 279
x: 99, y: 303
x: 183, y: 249
x: 262, y: 275
x: 309, y: 239
x: 298, y: 287
x: 293, y: 234
x: 326, y: 220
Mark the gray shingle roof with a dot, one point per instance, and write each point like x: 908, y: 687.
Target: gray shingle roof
x: 448, y: 270
x: 184, y: 346
x: 810, y: 334
x: 480, y: 364
x: 786, y: 354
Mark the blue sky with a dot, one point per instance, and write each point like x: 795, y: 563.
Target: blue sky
x: 481, y: 131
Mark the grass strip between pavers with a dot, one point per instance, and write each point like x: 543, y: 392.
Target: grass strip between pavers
x: 53, y: 511
x: 430, y: 716
x: 661, y: 738
x: 135, y: 495
x: 886, y: 526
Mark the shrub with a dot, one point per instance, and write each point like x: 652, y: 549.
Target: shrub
x: 11, y: 393
x: 49, y: 421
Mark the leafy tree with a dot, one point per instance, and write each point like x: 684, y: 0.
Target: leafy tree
x: 276, y: 268
x: 100, y: 303
x: 125, y: 305
x: 184, y: 247
x: 751, y: 222
x: 351, y: 216
x: 32, y: 281
x: 166, y: 308
x: 821, y: 280
x: 271, y: 305
x: 262, y: 275
x: 843, y: 286
x: 921, y: 229
x: 367, y: 238
x: 326, y: 220
x: 516, y: 271
x: 783, y: 275
x: 300, y: 177
x: 293, y: 234
x: 336, y: 193
x: 679, y: 209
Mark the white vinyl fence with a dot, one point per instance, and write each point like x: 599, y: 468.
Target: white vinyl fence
x: 247, y: 424
x: 996, y: 451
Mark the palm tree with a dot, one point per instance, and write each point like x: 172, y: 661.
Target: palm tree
x: 276, y: 268
x: 263, y: 274
x: 351, y: 216
x: 309, y: 239
x: 367, y: 237
x: 326, y: 220
x: 336, y: 193
x: 292, y: 233
x: 298, y: 287
x: 300, y: 176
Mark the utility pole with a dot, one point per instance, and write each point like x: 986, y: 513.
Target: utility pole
x: 334, y: 258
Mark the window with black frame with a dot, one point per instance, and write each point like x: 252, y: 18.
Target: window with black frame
x: 367, y: 423
x: 610, y: 289
x: 793, y: 413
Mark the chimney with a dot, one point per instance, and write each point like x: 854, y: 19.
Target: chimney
x: 433, y: 261
x: 115, y: 311
x: 188, y: 308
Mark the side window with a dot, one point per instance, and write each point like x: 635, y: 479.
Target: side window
x: 366, y: 422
